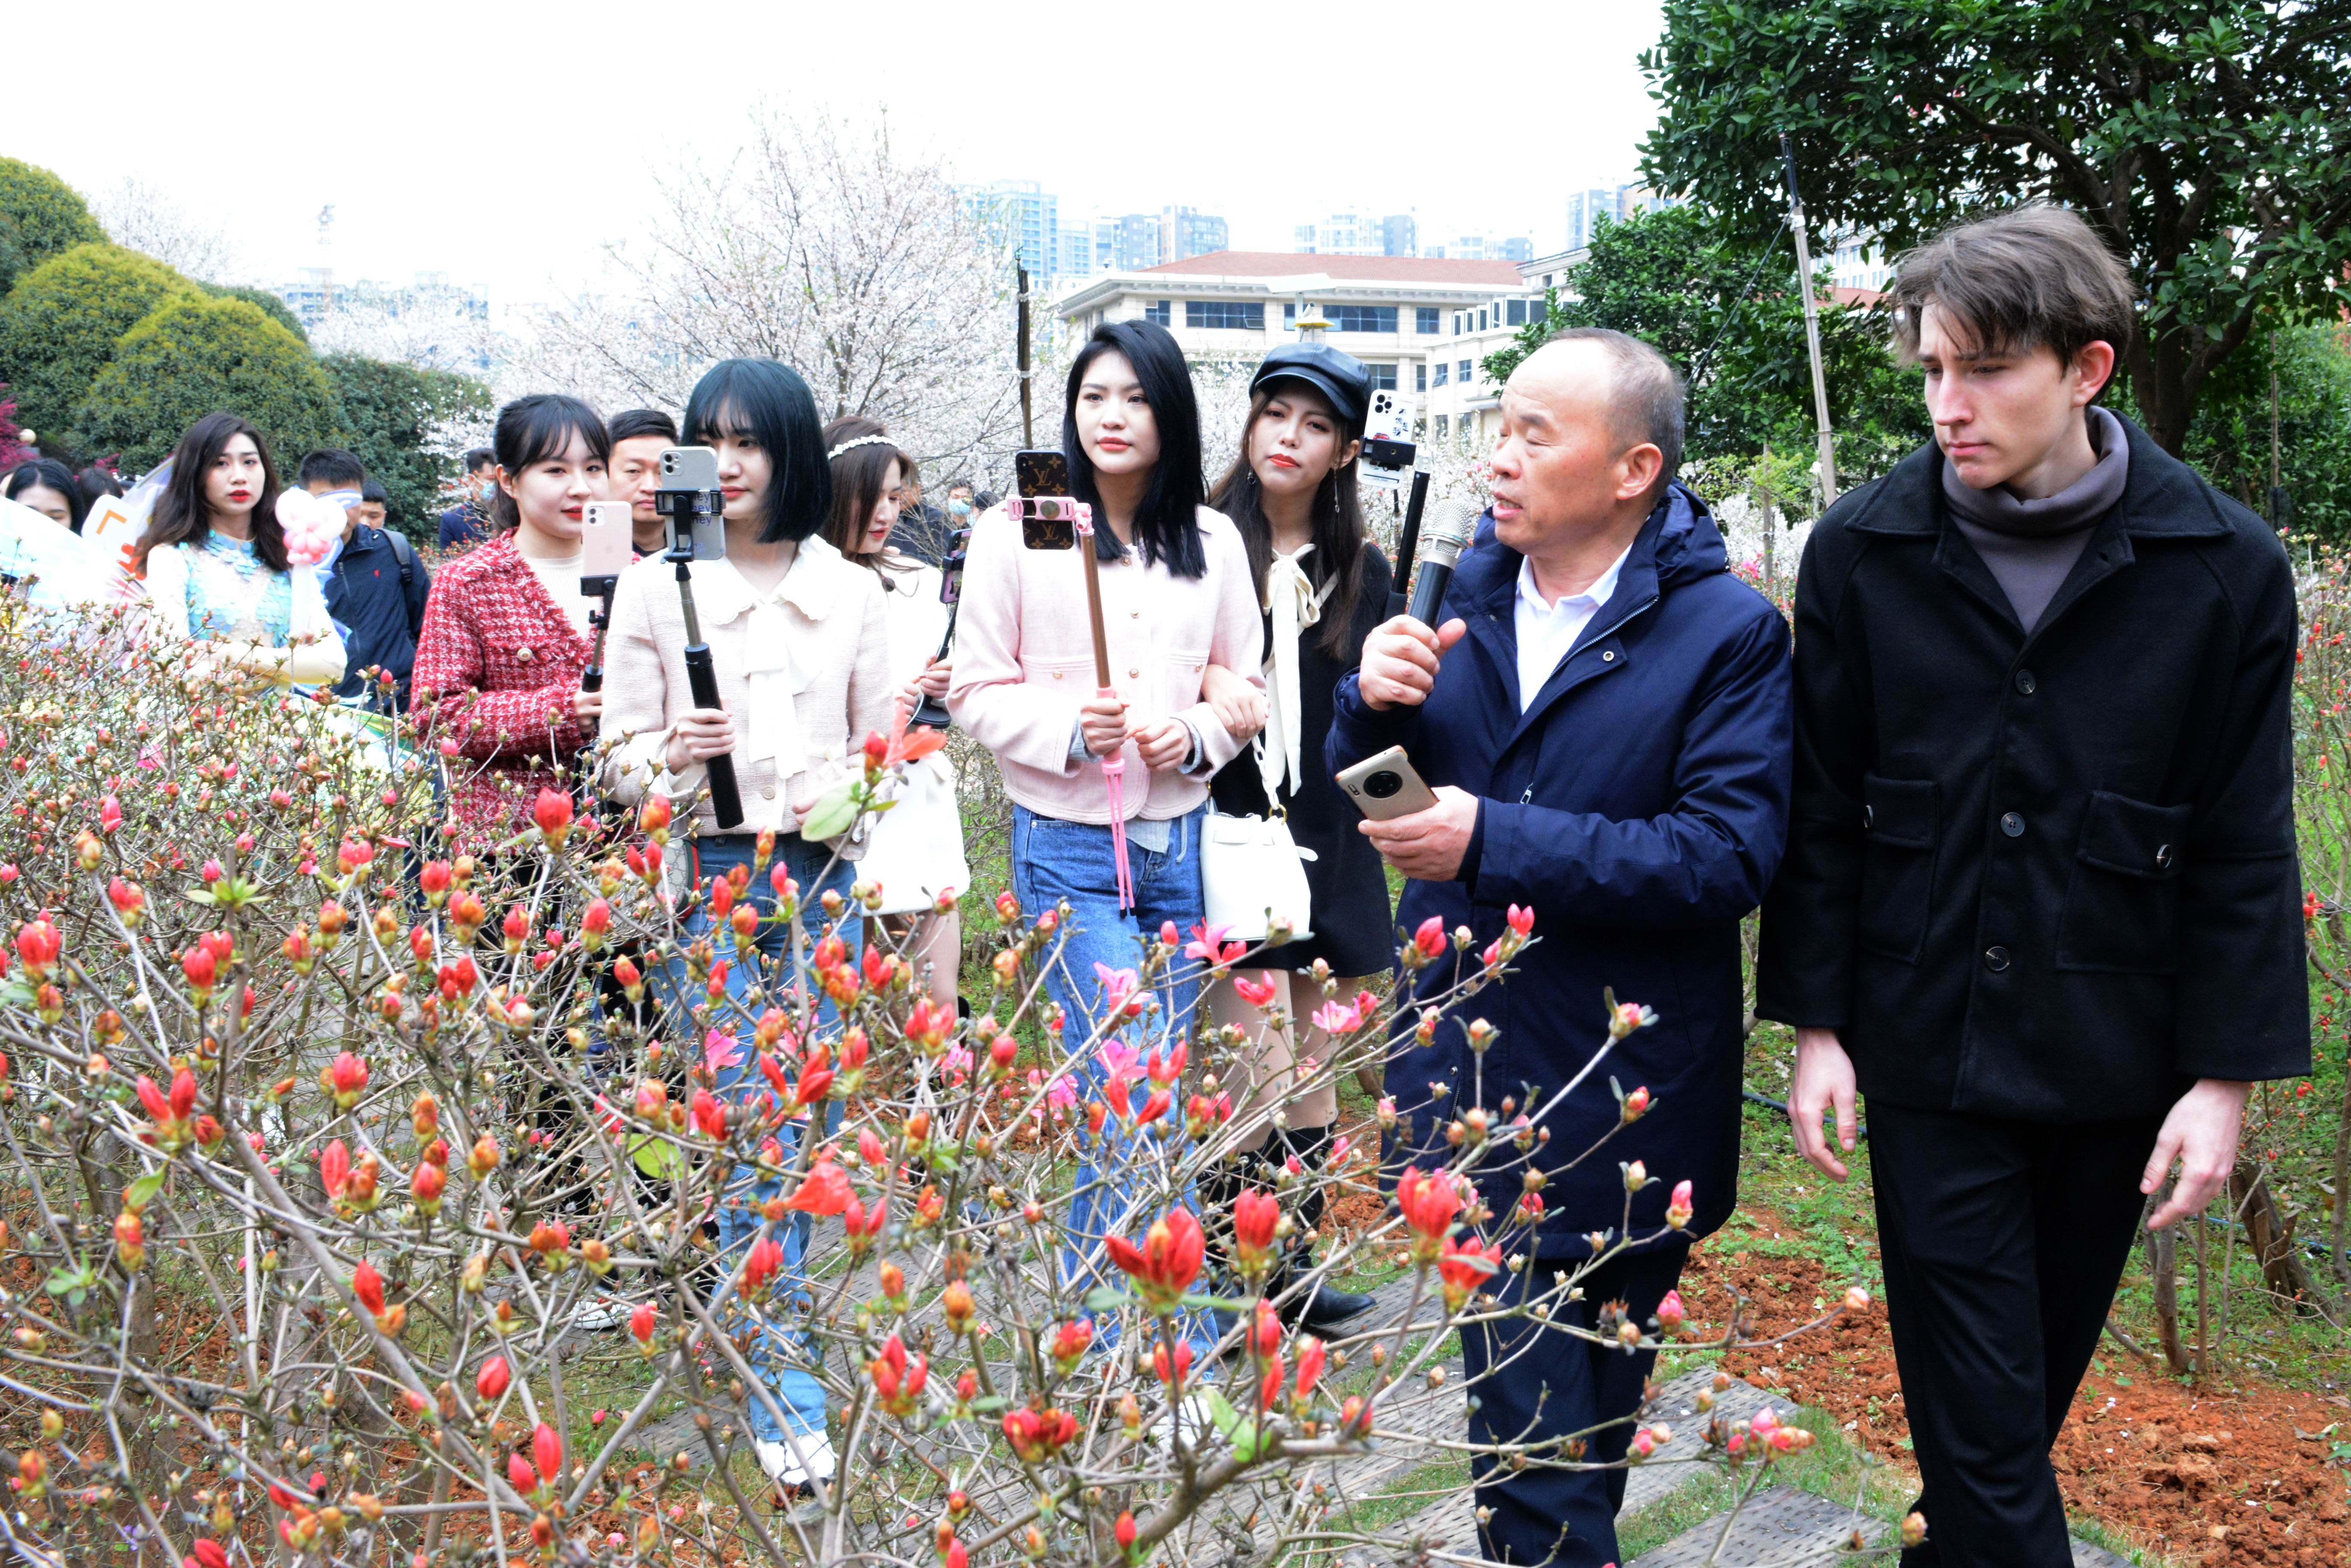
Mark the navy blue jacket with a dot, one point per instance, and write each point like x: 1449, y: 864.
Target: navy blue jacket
x: 379, y: 608
x: 1639, y: 806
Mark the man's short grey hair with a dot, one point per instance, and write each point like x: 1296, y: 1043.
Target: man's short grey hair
x: 1646, y: 391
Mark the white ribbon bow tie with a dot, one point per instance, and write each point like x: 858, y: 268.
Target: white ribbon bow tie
x: 1294, y: 606
x: 774, y: 725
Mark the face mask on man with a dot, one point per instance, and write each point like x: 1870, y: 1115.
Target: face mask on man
x: 959, y: 506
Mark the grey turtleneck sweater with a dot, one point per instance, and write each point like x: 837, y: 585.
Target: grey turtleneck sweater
x: 2030, y: 546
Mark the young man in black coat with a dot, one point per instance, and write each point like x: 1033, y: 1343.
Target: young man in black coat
x: 2041, y: 903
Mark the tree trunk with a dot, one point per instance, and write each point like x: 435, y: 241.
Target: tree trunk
x: 2270, y: 1234
x: 2163, y: 1265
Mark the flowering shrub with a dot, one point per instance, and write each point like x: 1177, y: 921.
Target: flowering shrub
x: 357, y: 1194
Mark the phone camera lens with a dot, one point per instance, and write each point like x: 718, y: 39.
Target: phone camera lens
x: 1383, y: 784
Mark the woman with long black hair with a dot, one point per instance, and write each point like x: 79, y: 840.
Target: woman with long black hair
x: 800, y: 647
x: 214, y: 562
x: 1291, y: 493
x: 914, y: 851
x: 1176, y: 597
x: 505, y: 638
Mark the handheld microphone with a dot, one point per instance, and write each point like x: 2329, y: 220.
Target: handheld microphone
x: 1450, y: 527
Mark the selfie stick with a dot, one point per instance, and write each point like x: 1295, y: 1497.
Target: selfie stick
x: 1114, y: 767
x: 931, y: 711
x: 591, y: 679
x: 681, y: 508
x: 1407, y: 544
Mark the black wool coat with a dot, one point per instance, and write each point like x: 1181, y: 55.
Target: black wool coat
x: 2050, y: 877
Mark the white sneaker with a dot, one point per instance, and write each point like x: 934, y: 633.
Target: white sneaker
x: 776, y: 1461
x: 599, y: 1312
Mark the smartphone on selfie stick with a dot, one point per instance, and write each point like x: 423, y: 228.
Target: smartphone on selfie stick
x: 604, y: 557
x: 694, y: 510
x: 931, y: 711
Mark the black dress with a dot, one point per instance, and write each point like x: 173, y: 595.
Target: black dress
x: 1354, y: 931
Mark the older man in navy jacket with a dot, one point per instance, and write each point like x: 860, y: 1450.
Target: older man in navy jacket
x: 1604, y: 714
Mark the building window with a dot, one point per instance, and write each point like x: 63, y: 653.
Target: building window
x: 1515, y: 313
x: 1420, y: 377
x: 1443, y: 370
x: 1161, y: 311
x: 1462, y: 374
x: 1230, y: 315
x: 1383, y: 377
x: 1442, y: 422
x: 1481, y: 320
x: 1361, y: 317
x: 1424, y: 319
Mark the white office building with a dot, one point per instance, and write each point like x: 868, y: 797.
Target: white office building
x: 1424, y: 325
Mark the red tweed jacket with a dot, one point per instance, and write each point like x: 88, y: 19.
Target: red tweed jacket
x: 498, y: 662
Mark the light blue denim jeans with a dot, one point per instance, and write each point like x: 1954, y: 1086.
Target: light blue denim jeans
x: 784, y: 1358
x: 1052, y: 861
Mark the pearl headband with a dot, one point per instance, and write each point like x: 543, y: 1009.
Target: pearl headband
x: 861, y: 441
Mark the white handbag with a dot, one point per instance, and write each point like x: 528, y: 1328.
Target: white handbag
x: 1251, y: 871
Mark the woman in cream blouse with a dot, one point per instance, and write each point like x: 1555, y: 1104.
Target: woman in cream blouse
x: 801, y: 651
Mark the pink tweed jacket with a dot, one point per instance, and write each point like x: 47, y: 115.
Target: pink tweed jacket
x: 498, y: 662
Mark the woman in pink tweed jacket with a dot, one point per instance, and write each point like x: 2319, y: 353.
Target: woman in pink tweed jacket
x: 505, y: 635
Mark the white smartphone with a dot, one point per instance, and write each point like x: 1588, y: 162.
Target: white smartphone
x: 1384, y: 786
x: 604, y: 543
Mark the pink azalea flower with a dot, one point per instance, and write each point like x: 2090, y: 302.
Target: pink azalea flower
x: 720, y: 1049
x: 1116, y: 984
x: 1209, y: 946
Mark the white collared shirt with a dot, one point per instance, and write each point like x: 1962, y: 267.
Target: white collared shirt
x: 1546, y: 631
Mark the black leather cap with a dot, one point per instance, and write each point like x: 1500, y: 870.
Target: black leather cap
x: 1341, y: 377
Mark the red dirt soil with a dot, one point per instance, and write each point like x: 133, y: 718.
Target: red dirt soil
x: 2224, y: 1479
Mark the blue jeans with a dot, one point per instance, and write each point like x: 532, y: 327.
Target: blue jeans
x: 774, y: 1352
x: 1053, y: 860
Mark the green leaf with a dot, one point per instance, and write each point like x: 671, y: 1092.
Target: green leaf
x: 1222, y: 1303
x: 835, y: 813
x: 1106, y: 1299
x: 141, y: 1192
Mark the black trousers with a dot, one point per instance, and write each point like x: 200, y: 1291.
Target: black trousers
x: 2002, y: 1241
x: 1529, y: 1383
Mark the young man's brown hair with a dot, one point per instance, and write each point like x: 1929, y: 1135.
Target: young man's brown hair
x: 2028, y: 278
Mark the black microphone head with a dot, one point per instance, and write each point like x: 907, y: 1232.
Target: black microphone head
x: 1446, y: 531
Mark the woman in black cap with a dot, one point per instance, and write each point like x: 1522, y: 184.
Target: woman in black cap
x: 1325, y: 586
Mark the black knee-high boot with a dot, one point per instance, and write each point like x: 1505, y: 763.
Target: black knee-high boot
x: 1326, y: 1307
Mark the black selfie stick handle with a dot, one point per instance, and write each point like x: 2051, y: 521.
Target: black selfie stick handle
x: 931, y: 711
x: 591, y: 679
x: 1408, y: 544
x: 701, y: 677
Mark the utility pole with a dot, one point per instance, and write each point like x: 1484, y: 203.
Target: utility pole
x: 1020, y: 350
x: 1811, y: 324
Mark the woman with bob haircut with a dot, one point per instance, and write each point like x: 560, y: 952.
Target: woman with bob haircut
x: 1291, y: 493
x: 913, y: 851
x: 800, y: 641
x: 1176, y: 597
x: 214, y: 559
x: 505, y: 637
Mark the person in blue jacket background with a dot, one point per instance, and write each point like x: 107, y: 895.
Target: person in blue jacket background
x: 1604, y: 712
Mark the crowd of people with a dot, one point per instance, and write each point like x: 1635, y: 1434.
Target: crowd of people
x: 2013, y: 798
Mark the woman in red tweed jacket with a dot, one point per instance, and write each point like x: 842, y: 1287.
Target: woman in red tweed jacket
x: 505, y: 635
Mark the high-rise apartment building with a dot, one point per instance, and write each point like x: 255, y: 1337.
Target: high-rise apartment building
x: 1024, y: 216
x: 1184, y: 233
x: 1356, y: 234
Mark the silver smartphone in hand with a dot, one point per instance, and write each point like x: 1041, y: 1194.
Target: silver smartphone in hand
x: 1384, y: 786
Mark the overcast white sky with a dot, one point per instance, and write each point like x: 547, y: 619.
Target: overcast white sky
x: 502, y: 143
